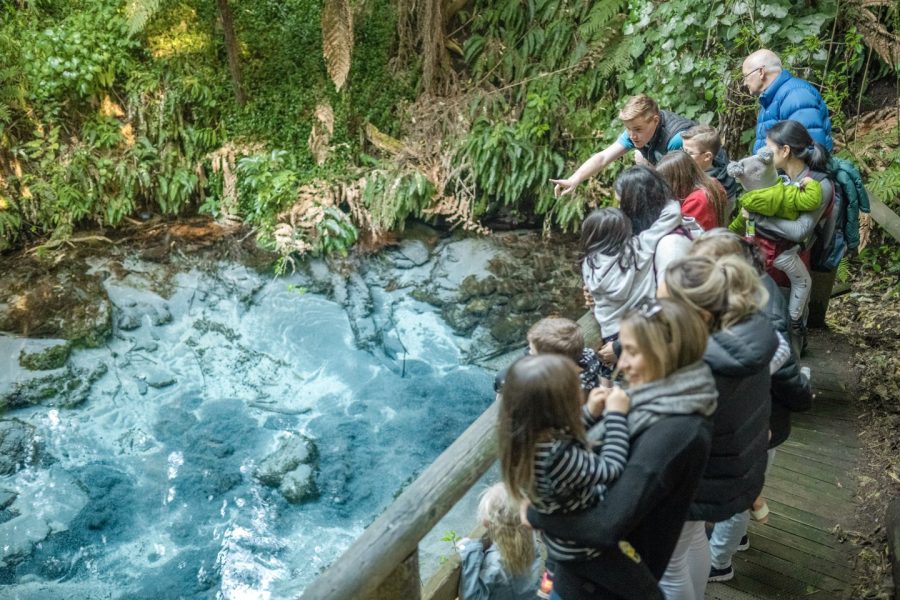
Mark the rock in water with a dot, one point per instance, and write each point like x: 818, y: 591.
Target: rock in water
x: 17, y: 446
x: 298, y: 485
x: 291, y: 468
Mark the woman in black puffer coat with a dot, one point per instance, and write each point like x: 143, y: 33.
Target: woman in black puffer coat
x: 728, y: 293
x: 791, y: 391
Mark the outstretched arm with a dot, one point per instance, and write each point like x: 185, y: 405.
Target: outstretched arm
x: 589, y: 168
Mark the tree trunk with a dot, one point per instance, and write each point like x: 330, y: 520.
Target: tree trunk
x: 231, y: 49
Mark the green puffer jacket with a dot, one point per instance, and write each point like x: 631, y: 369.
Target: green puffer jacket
x: 845, y: 174
x: 781, y: 200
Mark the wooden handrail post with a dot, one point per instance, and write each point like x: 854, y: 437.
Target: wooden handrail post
x: 404, y: 582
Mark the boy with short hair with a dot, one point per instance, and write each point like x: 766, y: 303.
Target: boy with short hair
x: 702, y: 143
x: 651, y: 133
x: 556, y: 335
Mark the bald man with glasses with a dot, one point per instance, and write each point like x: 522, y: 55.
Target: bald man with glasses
x: 782, y: 97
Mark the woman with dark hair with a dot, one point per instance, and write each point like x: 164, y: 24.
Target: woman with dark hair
x: 621, y: 278
x: 798, y: 157
x: 643, y: 194
x: 701, y: 196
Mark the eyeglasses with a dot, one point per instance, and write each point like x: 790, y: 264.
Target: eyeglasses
x: 649, y: 308
x: 744, y: 78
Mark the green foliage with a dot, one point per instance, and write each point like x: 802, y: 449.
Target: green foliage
x: 886, y: 184
x: 266, y: 186
x: 883, y: 258
x: 335, y: 234
x: 78, y: 57
x: 551, y: 61
x: 687, y: 55
x: 393, y: 197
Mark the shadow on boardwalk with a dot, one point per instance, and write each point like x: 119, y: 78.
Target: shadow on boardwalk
x: 810, y: 491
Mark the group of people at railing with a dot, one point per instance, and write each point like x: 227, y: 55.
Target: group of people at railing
x: 641, y: 461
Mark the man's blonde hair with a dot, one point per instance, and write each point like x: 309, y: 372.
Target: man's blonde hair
x: 641, y: 105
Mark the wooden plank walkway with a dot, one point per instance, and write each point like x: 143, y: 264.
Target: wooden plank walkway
x: 810, y: 491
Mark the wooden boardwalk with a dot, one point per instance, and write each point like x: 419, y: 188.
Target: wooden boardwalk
x: 810, y: 492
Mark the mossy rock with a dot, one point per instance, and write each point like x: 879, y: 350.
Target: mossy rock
x: 64, y: 303
x: 54, y: 357
x: 460, y: 320
x: 511, y: 329
x: 65, y: 389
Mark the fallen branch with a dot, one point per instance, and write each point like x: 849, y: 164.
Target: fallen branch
x: 71, y: 242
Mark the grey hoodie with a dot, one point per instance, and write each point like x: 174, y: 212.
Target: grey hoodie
x: 616, y: 290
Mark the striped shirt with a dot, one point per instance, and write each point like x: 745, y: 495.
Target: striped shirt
x: 568, y: 477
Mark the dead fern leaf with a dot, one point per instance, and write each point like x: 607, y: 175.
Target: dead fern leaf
x: 874, y: 33
x: 320, y: 135
x: 383, y: 141
x: 337, y: 39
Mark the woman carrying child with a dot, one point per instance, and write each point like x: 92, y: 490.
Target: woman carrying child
x: 634, y: 528
x: 544, y: 454
x: 795, y: 153
x: 504, y: 564
x: 728, y: 295
x: 701, y: 196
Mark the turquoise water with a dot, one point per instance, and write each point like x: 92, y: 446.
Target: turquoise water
x: 147, y: 489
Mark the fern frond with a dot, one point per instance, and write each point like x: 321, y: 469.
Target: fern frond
x: 599, y: 18
x: 337, y: 39
x: 617, y: 59
x: 139, y: 13
x: 843, y: 270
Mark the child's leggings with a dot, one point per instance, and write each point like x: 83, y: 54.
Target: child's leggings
x: 790, y: 263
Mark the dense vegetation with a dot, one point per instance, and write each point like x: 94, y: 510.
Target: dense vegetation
x: 322, y: 124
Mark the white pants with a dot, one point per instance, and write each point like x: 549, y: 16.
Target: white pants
x: 685, y: 577
x: 790, y: 263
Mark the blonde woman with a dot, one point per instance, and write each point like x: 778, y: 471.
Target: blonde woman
x: 790, y: 389
x: 728, y: 294
x: 504, y: 564
x: 638, y: 522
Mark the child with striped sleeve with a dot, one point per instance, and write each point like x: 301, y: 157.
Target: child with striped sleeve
x: 545, y: 457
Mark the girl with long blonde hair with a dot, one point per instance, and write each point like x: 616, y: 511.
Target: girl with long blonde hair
x: 504, y: 564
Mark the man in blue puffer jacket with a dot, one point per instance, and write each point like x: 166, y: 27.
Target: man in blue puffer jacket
x: 783, y: 96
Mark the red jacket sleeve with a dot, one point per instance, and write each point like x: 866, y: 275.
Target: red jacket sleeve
x: 697, y: 205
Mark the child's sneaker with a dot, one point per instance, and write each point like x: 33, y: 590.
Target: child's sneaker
x: 744, y: 544
x: 546, y: 587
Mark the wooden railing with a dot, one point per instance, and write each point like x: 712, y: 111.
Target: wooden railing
x: 384, y: 562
